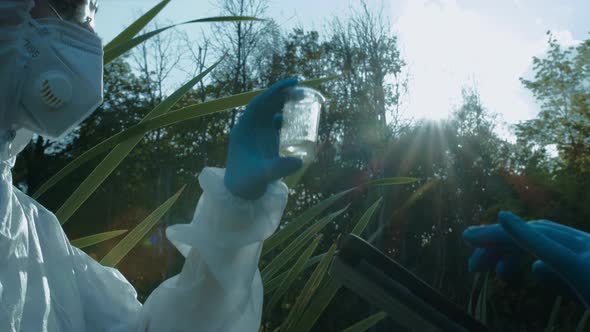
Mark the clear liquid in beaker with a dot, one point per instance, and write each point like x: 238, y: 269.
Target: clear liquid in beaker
x: 305, y: 150
x: 301, y: 116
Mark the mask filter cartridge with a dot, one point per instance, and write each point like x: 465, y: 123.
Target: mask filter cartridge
x: 55, y: 90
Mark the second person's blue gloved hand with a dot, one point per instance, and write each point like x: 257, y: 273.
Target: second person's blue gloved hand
x: 563, y: 252
x: 253, y: 158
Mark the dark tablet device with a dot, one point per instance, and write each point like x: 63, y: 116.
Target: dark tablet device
x: 386, y: 284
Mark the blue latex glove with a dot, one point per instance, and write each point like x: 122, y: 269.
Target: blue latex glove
x: 563, y: 252
x: 253, y: 158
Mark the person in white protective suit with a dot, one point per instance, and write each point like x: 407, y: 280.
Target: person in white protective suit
x: 51, y: 80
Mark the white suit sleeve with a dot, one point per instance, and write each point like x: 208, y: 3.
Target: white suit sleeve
x: 219, y: 287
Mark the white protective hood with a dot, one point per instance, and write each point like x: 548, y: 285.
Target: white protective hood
x: 11, y: 12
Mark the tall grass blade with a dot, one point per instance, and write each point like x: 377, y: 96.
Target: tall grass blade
x: 551, y: 325
x: 274, y: 283
x: 296, y: 246
x: 117, y: 50
x: 391, y: 181
x: 308, y: 291
x: 292, y: 275
x: 320, y: 302
x: 470, y: 308
x: 581, y: 327
x: 132, y: 30
x: 481, y: 307
x: 91, y: 240
x: 298, y: 223
x: 130, y: 241
x: 484, y: 302
x: 364, y: 221
x: 292, y: 180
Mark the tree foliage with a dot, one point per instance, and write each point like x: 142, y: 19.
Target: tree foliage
x: 561, y: 86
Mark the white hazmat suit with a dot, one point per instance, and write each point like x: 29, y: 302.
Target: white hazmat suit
x: 46, y: 284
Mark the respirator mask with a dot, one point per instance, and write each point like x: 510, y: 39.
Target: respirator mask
x: 62, y: 76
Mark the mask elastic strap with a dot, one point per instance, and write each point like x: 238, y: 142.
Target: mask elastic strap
x: 54, y: 10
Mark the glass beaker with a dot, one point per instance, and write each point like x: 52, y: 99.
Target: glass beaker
x: 301, y: 120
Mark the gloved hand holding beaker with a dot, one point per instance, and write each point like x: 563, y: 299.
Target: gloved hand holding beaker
x: 253, y: 159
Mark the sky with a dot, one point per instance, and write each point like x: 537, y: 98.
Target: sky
x: 448, y: 44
